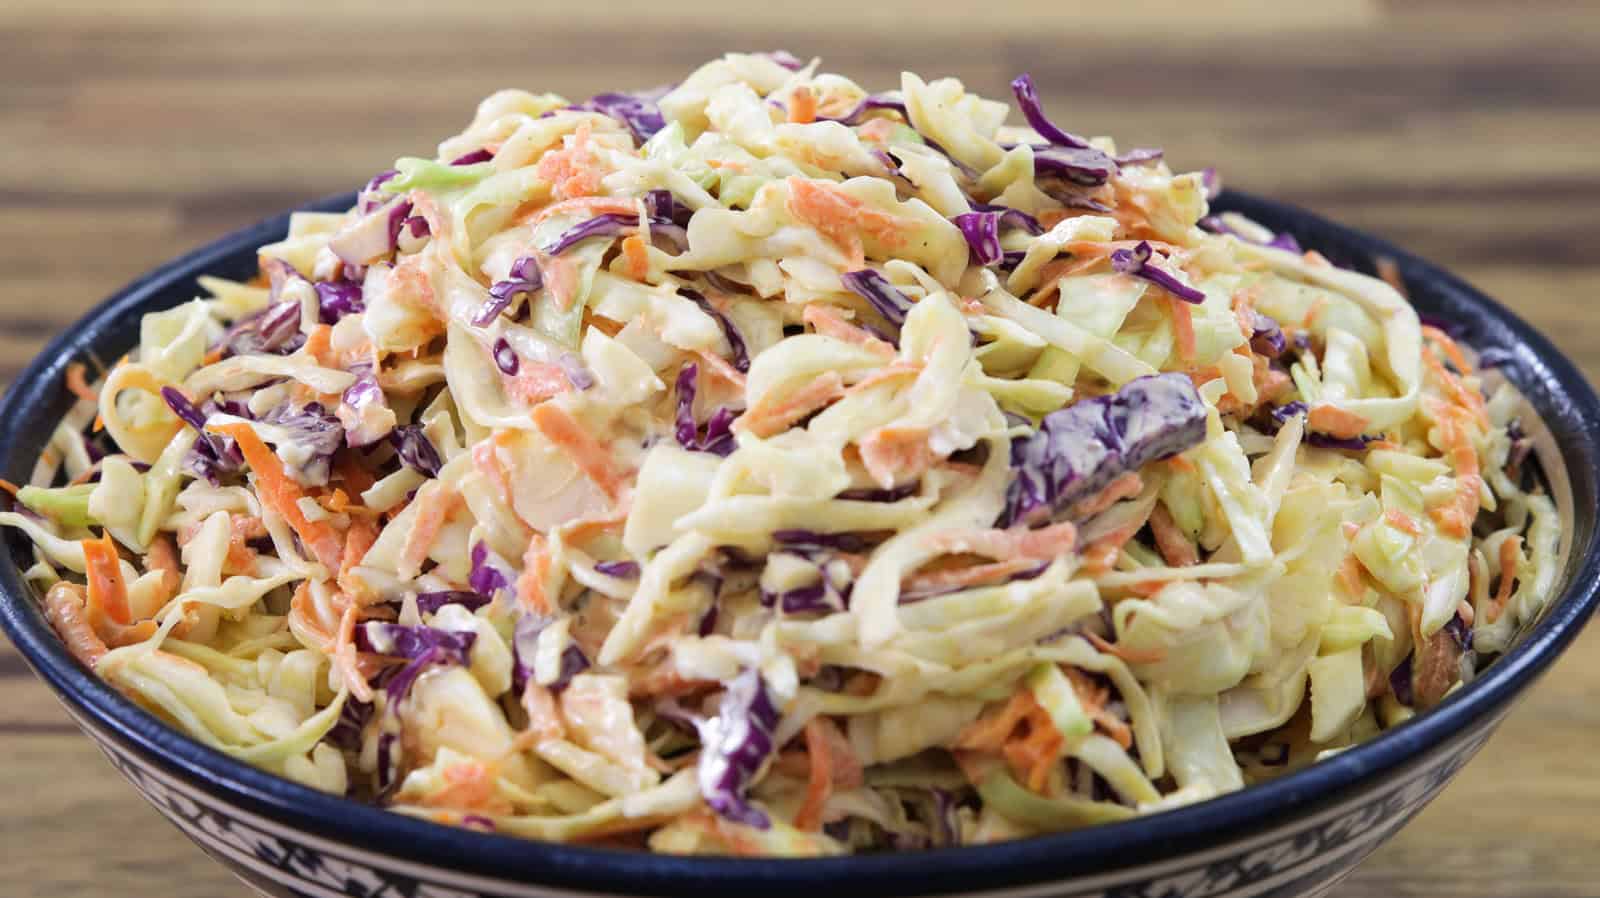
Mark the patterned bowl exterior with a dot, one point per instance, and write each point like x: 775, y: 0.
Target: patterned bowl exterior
x: 1296, y: 836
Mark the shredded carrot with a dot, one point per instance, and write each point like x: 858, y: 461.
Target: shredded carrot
x: 877, y: 130
x: 1123, y: 487
x: 531, y: 583
x: 1337, y: 422
x: 545, y: 723
x: 305, y: 621
x: 163, y: 556
x: 1084, y: 257
x: 950, y: 578
x: 802, y: 106
x: 1456, y: 516
x: 434, y: 511
x: 1095, y: 700
x: 896, y: 454
x: 241, y: 559
x: 768, y: 418
x: 361, y: 536
x: 1132, y: 656
x: 809, y: 817
x: 64, y: 609
x: 1173, y: 544
x: 1349, y: 576
x: 1182, y: 465
x: 1316, y: 258
x: 1452, y: 350
x: 1044, y: 544
x: 1402, y: 522
x: 319, y: 345
x: 108, y: 594
x: 990, y: 731
x: 591, y: 457
x: 827, y: 321
x: 535, y: 382
x: 572, y: 171
x: 561, y: 279
x: 1033, y: 756
x: 588, y: 206
x: 1510, y: 555
x: 344, y: 654
x: 78, y: 385
x: 283, y: 494
x: 843, y: 219
x: 9, y: 487
x: 1182, y: 327
x: 638, y: 256
x: 721, y: 367
x: 1314, y: 311
x: 468, y: 786
x: 1470, y: 401
x: 893, y: 371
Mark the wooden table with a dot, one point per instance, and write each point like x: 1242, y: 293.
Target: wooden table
x: 131, y: 131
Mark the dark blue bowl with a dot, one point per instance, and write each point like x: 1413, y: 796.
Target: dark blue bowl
x: 1295, y: 836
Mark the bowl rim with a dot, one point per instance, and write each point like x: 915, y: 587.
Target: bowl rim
x: 1096, y: 850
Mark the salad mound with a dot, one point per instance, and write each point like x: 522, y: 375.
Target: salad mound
x: 762, y: 465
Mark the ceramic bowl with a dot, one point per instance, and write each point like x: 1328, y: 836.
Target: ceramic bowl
x: 1298, y: 835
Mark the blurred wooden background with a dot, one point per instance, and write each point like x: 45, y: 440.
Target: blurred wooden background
x: 1468, y: 132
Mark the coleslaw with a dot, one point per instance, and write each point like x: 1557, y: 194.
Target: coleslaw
x: 766, y: 466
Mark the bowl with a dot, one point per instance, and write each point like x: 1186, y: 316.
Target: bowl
x: 1298, y: 835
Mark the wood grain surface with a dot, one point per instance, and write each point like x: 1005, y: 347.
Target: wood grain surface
x: 131, y: 131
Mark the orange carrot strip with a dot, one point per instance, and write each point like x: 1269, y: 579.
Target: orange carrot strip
x: 108, y: 594
x: 344, y: 653
x: 767, y: 419
x: 950, y: 578
x: 78, y: 384
x: 1452, y: 349
x: 1402, y: 522
x: 586, y: 452
x: 1510, y: 551
x: 357, y: 479
x: 896, y: 454
x: 1337, y: 422
x: 802, y: 106
x: 1182, y: 327
x: 535, y: 571
x: 990, y: 731
x: 637, y: 256
x: 1126, y: 485
x: 434, y: 512
x: 1132, y: 656
x: 827, y: 321
x: 282, y: 494
x: 9, y: 487
x: 721, y: 367
x: 842, y: 218
x: 820, y: 786
x: 1174, y: 545
x: 64, y: 609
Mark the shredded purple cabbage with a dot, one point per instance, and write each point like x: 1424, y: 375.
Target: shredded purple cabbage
x: 275, y: 329
x: 811, y: 539
x: 638, y: 110
x: 525, y: 277
x: 1033, y: 110
x: 735, y: 745
x: 622, y: 570
x: 878, y: 494
x: 431, y: 602
x: 982, y: 230
x: 1079, y: 449
x: 486, y: 577
x: 473, y: 158
x: 336, y: 299
x: 416, y: 450
x: 213, y: 455
x: 1012, y: 218
x: 370, y: 197
x: 820, y: 597
x: 1136, y: 262
x: 424, y: 647
x: 1086, y: 167
x: 717, y: 437
x: 889, y: 302
x: 1139, y: 156
x: 1266, y: 337
x: 361, y: 395
x: 506, y: 358
x: 741, y: 356
x: 867, y: 104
